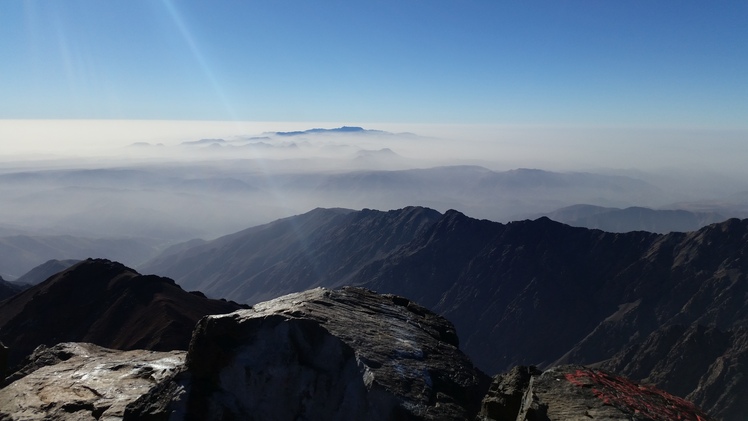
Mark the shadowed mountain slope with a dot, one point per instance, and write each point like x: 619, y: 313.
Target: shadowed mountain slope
x: 107, y: 304
x: 533, y: 292
x: 542, y: 292
x: 530, y: 281
x: 322, y: 247
x: 9, y: 289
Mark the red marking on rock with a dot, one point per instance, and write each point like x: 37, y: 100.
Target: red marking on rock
x: 639, y: 399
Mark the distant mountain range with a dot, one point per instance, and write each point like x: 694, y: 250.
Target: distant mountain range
x: 21, y: 253
x: 271, y: 140
x: 528, y: 292
x: 42, y: 272
x: 634, y: 218
x: 169, y: 203
x: 343, y: 129
x: 9, y: 289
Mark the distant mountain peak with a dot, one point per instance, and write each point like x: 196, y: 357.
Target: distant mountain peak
x: 204, y: 142
x: 633, y: 218
x: 384, y: 153
x: 343, y: 129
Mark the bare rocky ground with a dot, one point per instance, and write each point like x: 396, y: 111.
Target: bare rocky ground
x: 318, y: 355
x: 81, y: 381
x: 577, y: 393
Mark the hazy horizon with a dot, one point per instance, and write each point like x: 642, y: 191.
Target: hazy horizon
x: 557, y: 148
x: 104, y: 107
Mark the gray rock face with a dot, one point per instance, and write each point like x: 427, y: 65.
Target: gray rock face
x: 507, y: 393
x: 79, y: 381
x: 333, y: 355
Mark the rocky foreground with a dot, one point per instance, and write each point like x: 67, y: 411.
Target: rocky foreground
x: 330, y: 355
x: 81, y: 381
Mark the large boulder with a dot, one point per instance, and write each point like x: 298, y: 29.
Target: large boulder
x: 80, y: 381
x: 333, y: 355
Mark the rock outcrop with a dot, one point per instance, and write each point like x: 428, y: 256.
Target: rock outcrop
x: 333, y: 355
x: 81, y: 381
x: 576, y: 393
x: 105, y: 303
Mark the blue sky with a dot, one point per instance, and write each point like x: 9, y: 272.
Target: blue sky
x: 674, y: 64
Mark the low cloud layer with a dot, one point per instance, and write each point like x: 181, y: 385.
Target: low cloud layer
x: 171, y: 181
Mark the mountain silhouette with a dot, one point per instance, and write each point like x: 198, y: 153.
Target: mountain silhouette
x: 107, y: 304
x: 322, y: 247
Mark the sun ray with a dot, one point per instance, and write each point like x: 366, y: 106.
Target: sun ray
x: 207, y: 70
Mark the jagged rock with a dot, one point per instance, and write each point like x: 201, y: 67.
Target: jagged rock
x: 80, y: 381
x: 570, y: 393
x: 333, y: 355
x: 506, y: 394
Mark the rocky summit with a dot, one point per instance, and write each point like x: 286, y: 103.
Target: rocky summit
x: 347, y: 354
x: 333, y: 355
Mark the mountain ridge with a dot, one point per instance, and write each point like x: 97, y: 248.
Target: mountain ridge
x: 105, y: 303
x: 541, y: 292
x: 328, y: 247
